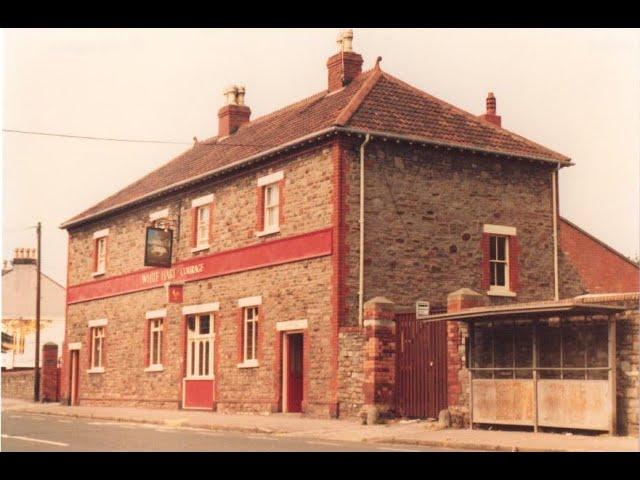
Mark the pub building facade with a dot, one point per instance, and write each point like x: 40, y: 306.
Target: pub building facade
x: 284, y: 228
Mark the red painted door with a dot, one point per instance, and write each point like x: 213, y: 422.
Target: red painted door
x: 294, y: 372
x: 73, y: 380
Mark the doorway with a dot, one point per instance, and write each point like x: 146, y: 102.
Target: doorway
x: 293, y: 372
x: 73, y: 374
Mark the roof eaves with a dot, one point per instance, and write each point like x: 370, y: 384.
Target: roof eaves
x: 429, y: 141
x: 212, y: 173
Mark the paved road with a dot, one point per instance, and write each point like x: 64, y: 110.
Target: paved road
x: 25, y: 432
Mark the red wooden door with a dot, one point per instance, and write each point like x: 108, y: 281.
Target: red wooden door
x: 294, y: 373
x: 73, y: 380
x: 421, y: 367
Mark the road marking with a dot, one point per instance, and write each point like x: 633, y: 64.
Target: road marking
x: 16, y: 416
x: 37, y: 440
x: 260, y: 437
x: 324, y: 443
x: 397, y: 449
x: 63, y: 421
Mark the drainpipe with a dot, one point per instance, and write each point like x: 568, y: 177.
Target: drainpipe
x: 554, y: 189
x: 361, y: 273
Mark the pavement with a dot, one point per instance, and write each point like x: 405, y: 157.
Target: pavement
x: 296, y: 426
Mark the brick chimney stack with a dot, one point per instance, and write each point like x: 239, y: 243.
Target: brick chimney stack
x: 234, y: 113
x: 24, y: 256
x: 345, y: 65
x: 491, y: 116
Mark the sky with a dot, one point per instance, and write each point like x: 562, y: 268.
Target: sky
x: 576, y: 91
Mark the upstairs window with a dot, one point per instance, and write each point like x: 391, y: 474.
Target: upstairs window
x: 201, y: 222
x: 100, y: 252
x: 270, y: 198
x: 203, y: 218
x: 271, y: 207
x: 500, y: 251
x: 498, y: 264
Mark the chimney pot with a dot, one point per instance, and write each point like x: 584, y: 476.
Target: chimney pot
x: 490, y: 115
x: 345, y: 65
x: 234, y: 113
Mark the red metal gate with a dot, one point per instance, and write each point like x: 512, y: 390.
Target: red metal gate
x: 421, y: 367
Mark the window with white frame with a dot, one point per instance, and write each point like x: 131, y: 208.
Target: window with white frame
x: 101, y: 255
x: 271, y: 207
x: 498, y: 263
x: 155, y: 342
x: 97, y: 347
x: 200, y: 346
x: 250, y: 329
x: 203, y: 218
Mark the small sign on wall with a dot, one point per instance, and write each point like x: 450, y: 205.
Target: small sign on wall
x: 422, y: 309
x: 175, y: 293
x: 158, y: 245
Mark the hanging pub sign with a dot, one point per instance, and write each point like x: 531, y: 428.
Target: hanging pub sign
x: 157, y: 247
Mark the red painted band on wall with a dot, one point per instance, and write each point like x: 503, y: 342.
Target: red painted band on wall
x: 275, y: 252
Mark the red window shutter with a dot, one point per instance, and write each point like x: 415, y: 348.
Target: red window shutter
x: 240, y: 335
x: 258, y: 328
x: 514, y: 264
x: 260, y: 209
x: 94, y: 260
x: 194, y: 226
x: 147, y: 343
x: 281, y: 202
x: 486, y: 272
x: 90, y: 349
x: 211, y: 208
x: 104, y: 348
x: 163, y: 341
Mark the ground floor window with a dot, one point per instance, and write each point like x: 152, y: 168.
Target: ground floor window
x: 200, y: 346
x: 250, y: 333
x: 155, y: 342
x: 97, y: 347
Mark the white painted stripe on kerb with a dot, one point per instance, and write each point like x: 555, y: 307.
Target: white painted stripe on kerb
x: 37, y: 440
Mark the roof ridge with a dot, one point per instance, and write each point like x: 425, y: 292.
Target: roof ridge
x: 473, y: 117
x: 597, y: 240
x: 356, y: 101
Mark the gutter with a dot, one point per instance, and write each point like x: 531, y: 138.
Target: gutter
x: 361, y: 264
x: 307, y: 138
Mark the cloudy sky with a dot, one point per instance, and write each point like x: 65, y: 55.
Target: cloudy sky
x: 575, y: 91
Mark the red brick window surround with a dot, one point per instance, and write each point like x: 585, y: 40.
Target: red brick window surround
x: 270, y: 203
x: 249, y: 331
x: 97, y: 335
x: 201, y: 223
x: 99, y: 264
x: 500, y: 252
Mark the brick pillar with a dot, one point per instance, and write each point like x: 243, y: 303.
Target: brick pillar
x: 457, y: 376
x: 49, y: 378
x: 379, y: 358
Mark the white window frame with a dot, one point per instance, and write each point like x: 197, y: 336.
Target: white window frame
x: 197, y: 339
x: 268, y: 183
x: 506, y: 232
x: 154, y: 327
x: 101, y: 260
x: 97, y: 335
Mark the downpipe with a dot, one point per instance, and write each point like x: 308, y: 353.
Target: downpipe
x: 361, y: 263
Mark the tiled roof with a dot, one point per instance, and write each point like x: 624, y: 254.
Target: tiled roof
x: 374, y: 101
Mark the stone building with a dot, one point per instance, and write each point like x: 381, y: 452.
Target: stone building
x: 283, y: 226
x: 19, y: 310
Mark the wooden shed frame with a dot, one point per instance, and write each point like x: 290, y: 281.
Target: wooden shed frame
x: 534, y: 401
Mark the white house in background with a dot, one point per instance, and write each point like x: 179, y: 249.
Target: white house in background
x: 19, y: 310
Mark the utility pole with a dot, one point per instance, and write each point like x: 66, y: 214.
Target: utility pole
x: 36, y: 376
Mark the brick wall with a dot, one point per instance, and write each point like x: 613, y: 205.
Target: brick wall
x: 628, y: 370
x: 424, y: 213
x: 601, y: 269
x: 291, y: 291
x: 17, y: 384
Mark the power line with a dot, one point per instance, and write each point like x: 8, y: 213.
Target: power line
x: 131, y: 140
